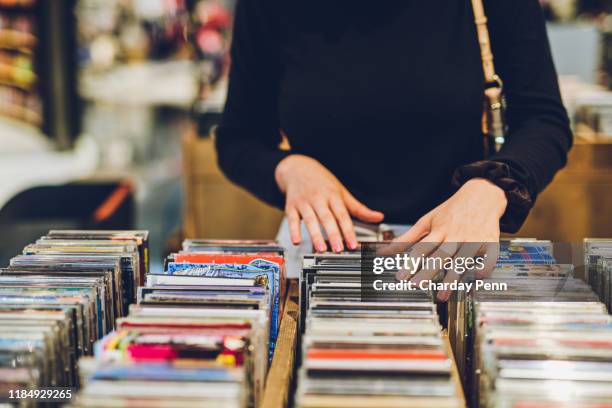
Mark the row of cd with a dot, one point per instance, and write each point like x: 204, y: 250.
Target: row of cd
x: 360, y: 352
x: 60, y: 296
x: 598, y: 261
x: 543, y: 340
x: 200, y: 334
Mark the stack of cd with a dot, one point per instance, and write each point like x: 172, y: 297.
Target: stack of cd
x: 96, y: 246
x: 598, y: 261
x: 525, y: 251
x: 360, y: 352
x: 200, y: 334
x: 233, y: 263
x: 164, y: 356
x: 514, y: 254
x: 543, y: 339
x: 58, y: 298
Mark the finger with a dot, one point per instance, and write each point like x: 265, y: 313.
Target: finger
x: 359, y: 210
x: 402, y: 243
x: 344, y: 221
x: 490, y: 254
x: 434, y: 263
x: 329, y: 225
x: 312, y: 225
x: 427, y: 245
x: 417, y: 232
x: 421, y: 249
x: 293, y: 217
x: 466, y: 251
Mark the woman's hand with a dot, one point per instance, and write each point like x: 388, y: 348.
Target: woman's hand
x: 465, y: 225
x: 315, y: 195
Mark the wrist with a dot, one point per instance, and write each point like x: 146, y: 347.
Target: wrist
x: 493, y: 194
x: 283, y: 170
x: 519, y: 200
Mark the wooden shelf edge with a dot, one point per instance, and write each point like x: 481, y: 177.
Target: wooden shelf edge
x: 454, y: 370
x: 279, y: 380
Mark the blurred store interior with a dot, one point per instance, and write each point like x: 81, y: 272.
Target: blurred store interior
x: 99, y: 101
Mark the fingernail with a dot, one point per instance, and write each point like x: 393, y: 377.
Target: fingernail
x: 338, y: 248
x: 321, y: 247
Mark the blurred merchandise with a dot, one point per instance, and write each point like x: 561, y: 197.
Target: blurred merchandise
x: 589, y: 107
x: 19, y: 98
x: 17, y: 3
x: 559, y: 10
x: 594, y: 8
x: 134, y: 58
x: 606, y: 51
x: 37, y: 77
x: 594, y: 118
x: 570, y: 10
x: 113, y: 32
x: 210, y: 33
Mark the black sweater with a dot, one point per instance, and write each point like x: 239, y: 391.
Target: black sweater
x: 388, y: 96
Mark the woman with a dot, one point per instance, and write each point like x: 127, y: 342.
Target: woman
x: 381, y: 103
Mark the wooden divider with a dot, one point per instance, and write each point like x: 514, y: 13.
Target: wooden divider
x: 280, y: 375
x: 454, y: 371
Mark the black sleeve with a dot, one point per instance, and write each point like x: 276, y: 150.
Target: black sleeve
x: 539, y: 135
x: 248, y: 136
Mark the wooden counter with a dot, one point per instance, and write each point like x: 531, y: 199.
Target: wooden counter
x: 578, y: 203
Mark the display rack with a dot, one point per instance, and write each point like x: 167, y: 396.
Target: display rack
x: 38, y: 83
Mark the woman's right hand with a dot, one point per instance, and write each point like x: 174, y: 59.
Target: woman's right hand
x: 315, y: 195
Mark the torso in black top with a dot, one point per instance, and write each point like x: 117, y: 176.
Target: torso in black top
x: 387, y: 95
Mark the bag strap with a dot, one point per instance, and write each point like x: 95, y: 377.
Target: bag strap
x: 493, y: 126
x: 484, y: 40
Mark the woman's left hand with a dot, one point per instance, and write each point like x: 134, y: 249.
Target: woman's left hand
x: 465, y: 225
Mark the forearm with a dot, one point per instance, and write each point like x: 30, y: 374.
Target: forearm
x: 535, y: 153
x: 250, y: 164
x: 522, y: 169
